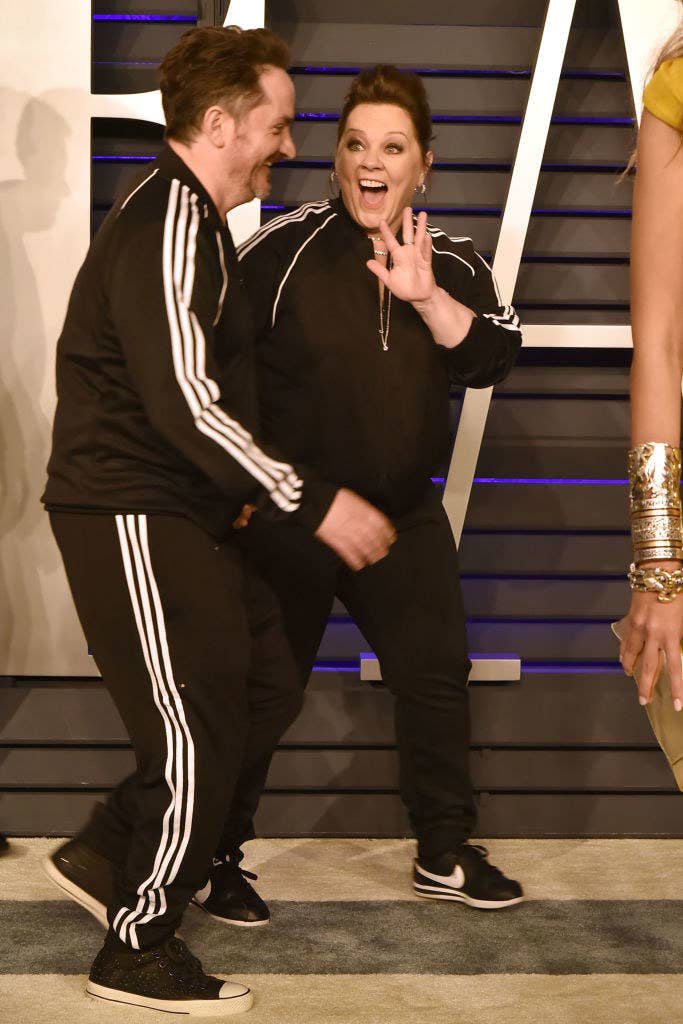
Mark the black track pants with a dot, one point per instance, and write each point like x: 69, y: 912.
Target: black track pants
x: 173, y: 622
x: 409, y: 608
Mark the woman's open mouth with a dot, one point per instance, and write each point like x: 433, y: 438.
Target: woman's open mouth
x: 372, y: 192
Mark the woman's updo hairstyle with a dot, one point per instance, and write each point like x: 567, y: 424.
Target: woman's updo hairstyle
x: 386, y: 84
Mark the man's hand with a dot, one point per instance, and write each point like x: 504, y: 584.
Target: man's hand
x: 358, y: 532
x: 244, y: 517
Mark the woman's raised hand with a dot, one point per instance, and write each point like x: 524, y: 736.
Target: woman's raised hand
x: 410, y: 277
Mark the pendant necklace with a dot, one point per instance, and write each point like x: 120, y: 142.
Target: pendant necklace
x: 378, y: 252
x: 384, y: 323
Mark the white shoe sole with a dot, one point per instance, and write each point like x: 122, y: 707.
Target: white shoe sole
x: 230, y: 920
x: 432, y: 893
x: 192, y: 1007
x: 74, y: 892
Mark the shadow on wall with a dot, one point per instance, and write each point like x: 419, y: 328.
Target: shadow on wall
x: 28, y: 206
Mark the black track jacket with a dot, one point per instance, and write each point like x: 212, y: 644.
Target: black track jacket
x: 156, y: 398
x: 371, y: 420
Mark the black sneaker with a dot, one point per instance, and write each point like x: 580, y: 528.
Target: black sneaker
x: 167, y: 977
x: 228, y: 896
x: 467, y: 877
x: 85, y: 876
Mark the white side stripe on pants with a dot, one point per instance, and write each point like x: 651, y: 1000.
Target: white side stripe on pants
x: 179, y: 769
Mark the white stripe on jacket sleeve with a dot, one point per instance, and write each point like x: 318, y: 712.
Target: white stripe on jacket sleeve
x: 301, y: 213
x: 188, y: 347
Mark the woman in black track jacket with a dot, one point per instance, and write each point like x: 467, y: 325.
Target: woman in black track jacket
x: 365, y: 317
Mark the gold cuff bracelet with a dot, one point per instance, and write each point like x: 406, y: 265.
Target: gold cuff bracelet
x: 654, y: 470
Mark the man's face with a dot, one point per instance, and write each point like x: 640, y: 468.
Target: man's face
x: 262, y: 137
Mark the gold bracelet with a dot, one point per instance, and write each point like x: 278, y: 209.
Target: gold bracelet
x: 665, y: 583
x: 654, y: 470
x: 655, y: 501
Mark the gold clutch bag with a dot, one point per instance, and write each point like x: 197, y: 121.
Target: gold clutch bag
x: 666, y: 722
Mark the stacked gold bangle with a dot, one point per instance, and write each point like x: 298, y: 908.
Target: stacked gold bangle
x: 654, y: 470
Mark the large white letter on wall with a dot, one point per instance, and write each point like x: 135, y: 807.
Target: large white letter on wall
x: 645, y: 27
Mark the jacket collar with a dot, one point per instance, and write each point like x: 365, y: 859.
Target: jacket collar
x: 339, y: 207
x: 173, y: 166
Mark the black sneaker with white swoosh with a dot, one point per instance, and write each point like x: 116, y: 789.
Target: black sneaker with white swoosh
x: 465, y: 876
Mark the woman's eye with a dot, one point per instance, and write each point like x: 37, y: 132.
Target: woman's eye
x: 354, y: 145
x: 394, y: 147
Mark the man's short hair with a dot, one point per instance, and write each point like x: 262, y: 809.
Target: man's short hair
x: 216, y: 66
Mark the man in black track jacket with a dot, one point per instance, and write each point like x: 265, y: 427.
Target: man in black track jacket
x: 153, y: 457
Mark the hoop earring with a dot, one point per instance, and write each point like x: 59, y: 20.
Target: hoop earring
x: 333, y: 186
x: 421, y: 189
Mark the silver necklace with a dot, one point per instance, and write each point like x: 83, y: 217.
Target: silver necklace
x: 384, y: 325
x: 378, y: 252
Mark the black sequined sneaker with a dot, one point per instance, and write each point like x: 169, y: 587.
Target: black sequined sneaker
x: 228, y: 896
x: 466, y: 877
x: 167, y: 977
x: 84, y: 875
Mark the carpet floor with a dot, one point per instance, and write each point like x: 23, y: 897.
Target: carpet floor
x: 598, y: 939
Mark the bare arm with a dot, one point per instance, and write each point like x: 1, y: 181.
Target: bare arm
x: 657, y: 369
x: 657, y: 285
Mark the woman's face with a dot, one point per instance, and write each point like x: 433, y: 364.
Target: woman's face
x: 379, y: 163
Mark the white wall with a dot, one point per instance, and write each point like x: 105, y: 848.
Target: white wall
x: 45, y: 112
x: 44, y: 227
